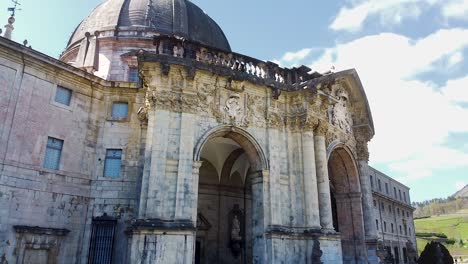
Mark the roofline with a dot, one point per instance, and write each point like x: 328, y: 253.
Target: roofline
x: 389, y: 177
x: 21, y: 49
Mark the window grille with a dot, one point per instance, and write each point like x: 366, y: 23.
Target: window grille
x: 113, y: 163
x: 119, y: 110
x: 102, y: 240
x: 63, y: 95
x: 53, y: 153
x: 133, y: 75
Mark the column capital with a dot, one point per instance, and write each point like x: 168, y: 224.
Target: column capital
x: 322, y: 128
x: 310, y: 123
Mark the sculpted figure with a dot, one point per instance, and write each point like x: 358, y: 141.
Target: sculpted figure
x: 235, y: 231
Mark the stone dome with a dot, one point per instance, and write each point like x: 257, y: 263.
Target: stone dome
x: 143, y: 18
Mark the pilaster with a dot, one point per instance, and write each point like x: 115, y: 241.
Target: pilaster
x: 312, y: 216
x: 323, y: 181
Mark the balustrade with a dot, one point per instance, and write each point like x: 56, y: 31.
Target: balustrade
x: 181, y: 48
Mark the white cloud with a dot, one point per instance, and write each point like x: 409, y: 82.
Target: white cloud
x: 390, y: 12
x: 412, y: 118
x: 293, y: 58
x: 456, y: 9
x: 457, y: 90
x: 455, y: 59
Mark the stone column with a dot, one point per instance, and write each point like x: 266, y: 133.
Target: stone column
x: 321, y: 160
x: 259, y: 182
x: 310, y: 181
x: 363, y: 136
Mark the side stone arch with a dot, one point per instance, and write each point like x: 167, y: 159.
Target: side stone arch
x: 256, y: 200
x: 252, y: 148
x: 348, y: 164
x: 346, y: 195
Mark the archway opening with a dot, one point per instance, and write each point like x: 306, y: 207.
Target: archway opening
x: 224, y: 213
x: 347, y: 204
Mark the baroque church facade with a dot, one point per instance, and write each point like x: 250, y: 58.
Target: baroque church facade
x: 150, y: 141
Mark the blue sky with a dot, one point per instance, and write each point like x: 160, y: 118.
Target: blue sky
x: 411, y: 55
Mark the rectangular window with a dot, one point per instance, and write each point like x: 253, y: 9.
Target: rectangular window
x: 372, y: 182
x: 407, y: 214
x: 399, y: 193
x: 394, y: 190
x: 405, y: 255
x: 63, y: 96
x: 102, y: 240
x: 404, y: 196
x: 133, y: 75
x: 375, y: 203
x: 398, y: 211
x: 382, y: 205
x: 401, y: 232
x: 386, y: 188
x: 119, y: 110
x: 385, y: 226
x: 53, y: 153
x: 389, y: 208
x: 393, y: 230
x: 380, y: 185
x: 377, y: 224
x: 113, y: 163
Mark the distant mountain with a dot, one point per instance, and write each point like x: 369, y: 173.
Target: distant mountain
x: 462, y: 193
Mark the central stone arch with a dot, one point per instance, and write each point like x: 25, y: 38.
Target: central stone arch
x: 346, y: 198
x: 230, y: 218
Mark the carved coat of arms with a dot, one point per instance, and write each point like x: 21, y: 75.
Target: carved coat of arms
x: 235, y: 110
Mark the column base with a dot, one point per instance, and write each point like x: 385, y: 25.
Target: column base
x: 156, y: 241
x: 328, y: 230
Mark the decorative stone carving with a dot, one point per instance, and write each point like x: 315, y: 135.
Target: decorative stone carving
x: 340, y: 115
x: 321, y: 129
x: 236, y: 86
x: 310, y: 122
x: 256, y: 111
x: 275, y: 120
x: 235, y: 111
x: 143, y: 114
x: 362, y: 135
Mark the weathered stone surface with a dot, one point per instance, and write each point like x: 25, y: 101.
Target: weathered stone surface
x: 225, y: 158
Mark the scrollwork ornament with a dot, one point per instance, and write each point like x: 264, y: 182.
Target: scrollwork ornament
x: 143, y: 114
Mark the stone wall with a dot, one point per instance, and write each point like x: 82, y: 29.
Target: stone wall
x: 70, y: 197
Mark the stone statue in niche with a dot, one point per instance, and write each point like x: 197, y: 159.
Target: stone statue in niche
x: 235, y: 231
x: 340, y: 115
x: 236, y: 226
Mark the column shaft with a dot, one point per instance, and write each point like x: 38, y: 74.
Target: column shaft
x: 310, y: 181
x: 326, y: 218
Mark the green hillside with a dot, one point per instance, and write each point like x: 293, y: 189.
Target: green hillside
x: 454, y: 226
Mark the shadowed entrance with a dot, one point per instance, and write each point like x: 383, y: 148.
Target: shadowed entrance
x: 225, y: 217
x: 347, y: 210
